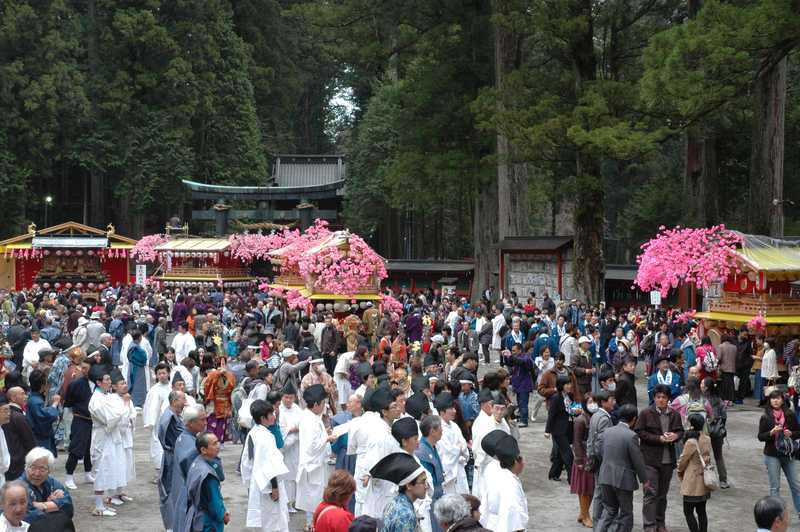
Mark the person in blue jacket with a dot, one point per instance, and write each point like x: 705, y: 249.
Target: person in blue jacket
x: 664, y: 375
x: 689, y: 354
x: 40, y: 416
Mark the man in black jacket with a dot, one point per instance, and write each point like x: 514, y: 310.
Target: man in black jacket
x: 18, y: 433
x: 658, y: 428
x: 626, y: 387
x: 77, y: 397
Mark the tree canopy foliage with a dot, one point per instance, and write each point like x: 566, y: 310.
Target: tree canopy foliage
x: 465, y: 121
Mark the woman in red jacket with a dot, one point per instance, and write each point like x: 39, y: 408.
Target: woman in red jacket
x: 332, y: 515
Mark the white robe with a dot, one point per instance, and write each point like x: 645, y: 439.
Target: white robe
x: 266, y: 464
x: 357, y: 442
x: 312, y: 468
x: 151, y: 413
x: 484, y: 424
x: 341, y: 376
x: 126, y: 431
x: 506, y: 509
x: 108, y: 454
x: 289, y: 418
x: 422, y: 507
x: 379, y: 493
x: 30, y: 355
x: 183, y: 343
x: 454, y: 453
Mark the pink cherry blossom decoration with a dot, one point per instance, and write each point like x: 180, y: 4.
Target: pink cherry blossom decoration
x: 700, y: 256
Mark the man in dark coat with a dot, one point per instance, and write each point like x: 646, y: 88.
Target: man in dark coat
x: 626, y: 386
x: 621, y: 466
x: 658, y: 427
x: 18, y: 433
x: 77, y: 397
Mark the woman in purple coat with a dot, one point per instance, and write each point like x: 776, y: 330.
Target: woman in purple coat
x: 521, y: 365
x: 180, y: 311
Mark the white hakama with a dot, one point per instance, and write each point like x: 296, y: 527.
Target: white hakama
x: 288, y: 419
x: 108, y: 454
x: 312, y: 468
x: 258, y: 468
x: 151, y: 413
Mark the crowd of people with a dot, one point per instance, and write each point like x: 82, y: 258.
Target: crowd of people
x: 360, y: 418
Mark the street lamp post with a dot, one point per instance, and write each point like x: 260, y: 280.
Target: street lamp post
x: 47, y: 201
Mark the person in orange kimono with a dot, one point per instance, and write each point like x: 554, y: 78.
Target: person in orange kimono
x: 217, y: 389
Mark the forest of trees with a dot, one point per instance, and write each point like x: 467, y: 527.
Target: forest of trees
x: 469, y: 120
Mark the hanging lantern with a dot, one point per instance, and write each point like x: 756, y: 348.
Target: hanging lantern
x: 90, y: 286
x: 68, y: 286
x: 57, y: 286
x: 59, y: 252
x: 46, y: 285
x: 79, y: 286
x: 47, y: 253
x: 79, y: 253
x: 90, y: 253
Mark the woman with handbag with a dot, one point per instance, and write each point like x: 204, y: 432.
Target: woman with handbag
x: 717, y: 426
x: 778, y: 429
x: 582, y: 481
x: 692, y: 464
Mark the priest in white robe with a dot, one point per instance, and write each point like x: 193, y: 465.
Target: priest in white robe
x: 453, y: 449
x: 357, y: 445
x: 289, y: 417
x: 505, y: 508
x: 263, y: 472
x: 314, y: 442
x: 491, y: 417
x: 153, y: 408
x: 118, y: 398
x: 380, y: 443
x: 108, y: 456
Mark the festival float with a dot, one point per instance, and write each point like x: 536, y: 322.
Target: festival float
x: 68, y: 256
x: 185, y: 261
x: 328, y: 270
x: 747, y: 279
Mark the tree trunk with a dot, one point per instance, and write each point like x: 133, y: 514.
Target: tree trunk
x: 512, y: 177
x: 588, y: 267
x: 765, y: 208
x: 485, y: 230
x: 701, y: 177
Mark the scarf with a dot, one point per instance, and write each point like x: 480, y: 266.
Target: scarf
x: 664, y: 379
x: 779, y: 418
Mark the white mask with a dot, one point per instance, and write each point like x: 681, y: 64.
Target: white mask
x: 592, y: 408
x: 612, y: 386
x: 620, y: 348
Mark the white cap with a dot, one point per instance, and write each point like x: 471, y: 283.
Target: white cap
x: 288, y: 352
x: 584, y: 339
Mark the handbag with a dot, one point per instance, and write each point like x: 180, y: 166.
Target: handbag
x: 717, y: 429
x: 710, y: 475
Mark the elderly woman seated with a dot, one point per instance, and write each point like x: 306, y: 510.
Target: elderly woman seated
x: 48, y: 499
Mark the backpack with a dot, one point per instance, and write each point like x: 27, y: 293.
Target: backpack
x: 710, y: 362
x: 238, y: 396
x: 648, y: 344
x: 695, y: 406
